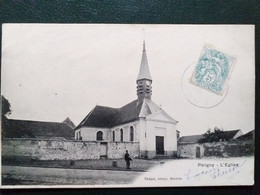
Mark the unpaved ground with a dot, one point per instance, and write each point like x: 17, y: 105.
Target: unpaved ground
x: 92, y: 164
x: 15, y: 175
x: 181, y: 172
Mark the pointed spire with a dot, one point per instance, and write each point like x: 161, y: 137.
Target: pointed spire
x: 144, y: 72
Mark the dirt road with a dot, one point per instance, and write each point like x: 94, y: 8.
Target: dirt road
x: 12, y: 175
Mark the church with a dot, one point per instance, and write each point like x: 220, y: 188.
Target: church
x: 141, y: 121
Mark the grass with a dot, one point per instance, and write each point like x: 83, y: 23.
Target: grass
x: 101, y: 164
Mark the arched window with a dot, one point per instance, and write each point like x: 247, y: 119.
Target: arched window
x: 121, y: 135
x: 113, y: 136
x: 131, y: 133
x: 99, y: 135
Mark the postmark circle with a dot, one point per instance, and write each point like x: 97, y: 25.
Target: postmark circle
x: 196, y: 95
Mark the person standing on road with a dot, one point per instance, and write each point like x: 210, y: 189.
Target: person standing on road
x: 127, y: 159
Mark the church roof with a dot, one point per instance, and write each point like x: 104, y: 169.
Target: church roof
x: 106, y: 117
x: 144, y: 72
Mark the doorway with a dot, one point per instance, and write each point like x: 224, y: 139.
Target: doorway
x: 160, y: 145
x: 103, y: 149
x: 197, y: 152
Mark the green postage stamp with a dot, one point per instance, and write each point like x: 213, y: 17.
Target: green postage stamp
x: 212, y: 70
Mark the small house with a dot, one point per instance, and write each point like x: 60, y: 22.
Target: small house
x: 198, y: 146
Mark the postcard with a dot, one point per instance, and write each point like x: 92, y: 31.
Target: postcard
x: 127, y: 105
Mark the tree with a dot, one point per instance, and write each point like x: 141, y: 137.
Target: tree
x: 6, y: 108
x: 9, y: 128
x: 211, y: 136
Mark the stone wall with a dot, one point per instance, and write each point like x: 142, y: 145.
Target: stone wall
x: 232, y: 148
x: 116, y: 150
x: 50, y: 149
x: 65, y: 149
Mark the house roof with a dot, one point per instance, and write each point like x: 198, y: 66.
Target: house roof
x: 106, y: 117
x: 144, y: 72
x: 225, y: 135
x: 69, y: 122
x: 25, y: 128
x: 190, y: 139
x: 247, y: 136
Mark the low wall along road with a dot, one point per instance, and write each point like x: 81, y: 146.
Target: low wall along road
x: 65, y: 149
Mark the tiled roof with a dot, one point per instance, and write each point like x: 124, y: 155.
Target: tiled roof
x: 248, y: 136
x: 225, y: 135
x: 69, y: 122
x: 190, y: 139
x: 106, y: 117
x: 100, y: 116
x: 25, y: 128
x: 129, y: 112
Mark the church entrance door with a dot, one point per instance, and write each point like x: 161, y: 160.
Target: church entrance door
x: 160, y: 145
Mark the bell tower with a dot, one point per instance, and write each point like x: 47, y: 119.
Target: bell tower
x: 144, y: 79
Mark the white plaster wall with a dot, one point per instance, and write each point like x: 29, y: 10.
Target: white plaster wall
x: 189, y: 150
x: 90, y: 134
x: 141, y: 128
x: 126, y: 131
x: 137, y: 132
x: 165, y: 129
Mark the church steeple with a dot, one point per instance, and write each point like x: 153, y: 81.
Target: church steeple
x: 144, y: 79
x: 144, y: 72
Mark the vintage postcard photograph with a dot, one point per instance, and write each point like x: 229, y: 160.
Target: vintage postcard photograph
x: 127, y: 105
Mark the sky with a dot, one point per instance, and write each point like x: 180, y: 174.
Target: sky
x: 54, y: 71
